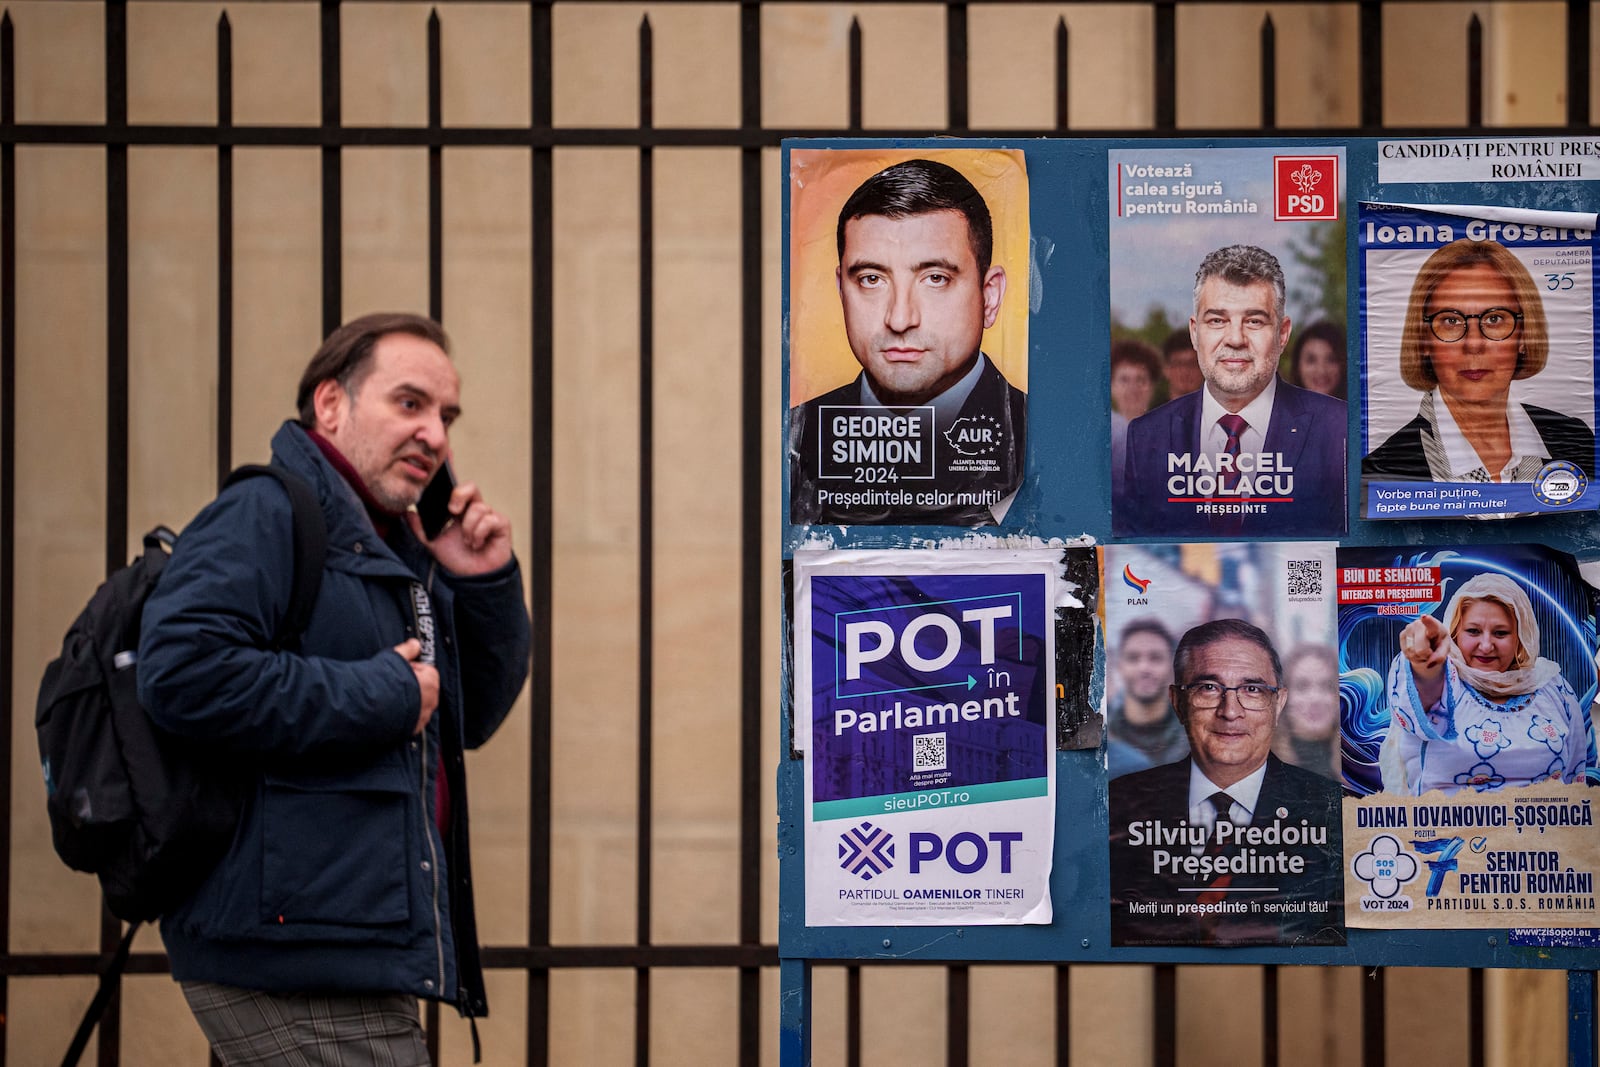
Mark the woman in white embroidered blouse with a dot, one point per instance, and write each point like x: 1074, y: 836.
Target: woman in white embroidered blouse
x: 1471, y: 702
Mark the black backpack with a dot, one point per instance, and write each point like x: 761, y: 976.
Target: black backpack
x: 144, y: 810
x: 140, y: 808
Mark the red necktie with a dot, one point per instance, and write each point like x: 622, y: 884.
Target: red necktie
x: 1223, y: 804
x: 1233, y: 426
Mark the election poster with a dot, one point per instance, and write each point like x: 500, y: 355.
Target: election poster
x: 1222, y: 714
x: 1228, y: 348
x: 1478, y: 362
x: 926, y: 680
x: 908, y: 290
x: 1467, y: 689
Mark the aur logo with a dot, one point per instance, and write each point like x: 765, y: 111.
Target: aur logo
x: 866, y: 851
x: 1305, y: 188
x: 975, y: 435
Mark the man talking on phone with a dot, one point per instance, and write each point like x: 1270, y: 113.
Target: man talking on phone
x: 346, y: 893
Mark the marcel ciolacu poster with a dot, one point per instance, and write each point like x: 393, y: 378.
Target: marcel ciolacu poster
x: 925, y: 680
x: 1467, y: 692
x: 1228, y: 367
x: 1478, y: 362
x: 1222, y: 714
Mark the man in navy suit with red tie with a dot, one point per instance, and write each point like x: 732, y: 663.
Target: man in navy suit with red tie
x: 1229, y: 845
x: 1248, y: 454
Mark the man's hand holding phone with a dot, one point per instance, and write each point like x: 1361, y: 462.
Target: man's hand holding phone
x: 463, y: 533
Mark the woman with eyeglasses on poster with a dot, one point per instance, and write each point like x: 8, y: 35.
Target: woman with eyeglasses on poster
x: 1472, y: 704
x: 1475, y: 324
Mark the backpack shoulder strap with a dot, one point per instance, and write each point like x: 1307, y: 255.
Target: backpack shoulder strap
x: 102, y: 997
x: 310, y: 544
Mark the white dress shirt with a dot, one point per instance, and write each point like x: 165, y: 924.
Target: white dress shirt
x: 1246, y: 793
x: 1258, y: 413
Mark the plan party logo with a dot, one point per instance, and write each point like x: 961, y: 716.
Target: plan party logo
x: 1139, y: 585
x: 866, y: 851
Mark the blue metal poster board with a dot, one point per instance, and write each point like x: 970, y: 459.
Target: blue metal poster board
x: 1072, y: 222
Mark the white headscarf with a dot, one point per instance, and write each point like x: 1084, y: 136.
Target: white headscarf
x: 1529, y: 672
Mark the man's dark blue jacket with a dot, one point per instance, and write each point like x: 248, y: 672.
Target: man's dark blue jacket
x: 338, y: 879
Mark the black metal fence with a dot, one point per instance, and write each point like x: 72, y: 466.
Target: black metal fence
x: 538, y: 958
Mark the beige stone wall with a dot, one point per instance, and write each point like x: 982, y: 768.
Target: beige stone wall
x: 60, y: 462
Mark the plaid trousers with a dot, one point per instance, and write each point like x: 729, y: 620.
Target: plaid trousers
x: 246, y: 1027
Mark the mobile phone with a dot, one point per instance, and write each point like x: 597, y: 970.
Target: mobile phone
x: 433, y: 507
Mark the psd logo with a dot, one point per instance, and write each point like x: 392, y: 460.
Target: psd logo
x: 866, y: 851
x: 1305, y: 188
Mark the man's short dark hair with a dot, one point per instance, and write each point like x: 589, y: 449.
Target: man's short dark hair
x: 1209, y: 633
x: 345, y: 356
x: 1144, y: 626
x: 1242, y: 265
x: 918, y: 187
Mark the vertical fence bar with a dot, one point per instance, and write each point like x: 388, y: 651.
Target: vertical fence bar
x: 752, y: 502
x: 955, y: 63
x: 116, y: 93
x: 957, y: 1031
x: 1475, y: 1014
x: 435, y: 294
x: 332, y: 181
x: 1372, y: 1019
x: 1063, y: 90
x: 646, y: 822
x: 8, y: 470
x: 1269, y: 74
x: 1580, y: 1018
x: 1063, y: 1015
x: 958, y: 122
x: 541, y: 491
x: 1370, y: 51
x: 852, y: 1015
x: 224, y: 248
x: 1164, y: 1015
x: 435, y: 173
x: 855, y: 74
x: 1269, y: 1016
x: 1165, y: 48
x: 1578, y: 29
x: 1474, y: 72
x: 435, y: 297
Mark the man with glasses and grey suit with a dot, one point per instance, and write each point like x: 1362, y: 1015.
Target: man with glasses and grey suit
x: 1229, y: 845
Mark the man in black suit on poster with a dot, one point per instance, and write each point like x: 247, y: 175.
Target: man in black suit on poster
x: 918, y: 288
x: 1230, y: 845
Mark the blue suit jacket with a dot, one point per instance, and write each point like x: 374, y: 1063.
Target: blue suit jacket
x: 1308, y: 429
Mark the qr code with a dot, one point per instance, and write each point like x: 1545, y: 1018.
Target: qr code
x: 927, y: 752
x: 1305, y: 577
